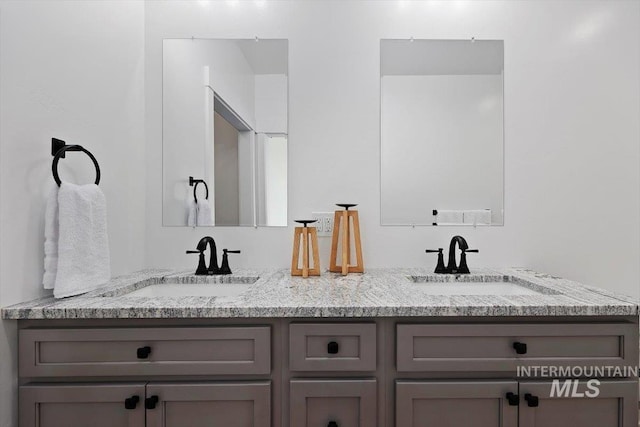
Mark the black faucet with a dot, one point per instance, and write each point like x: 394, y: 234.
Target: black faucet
x: 451, y: 267
x: 213, y: 268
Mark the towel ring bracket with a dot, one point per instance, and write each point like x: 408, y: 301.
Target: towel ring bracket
x: 194, y: 183
x: 58, y: 150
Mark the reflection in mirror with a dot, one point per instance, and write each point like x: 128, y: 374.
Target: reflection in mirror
x: 225, y: 109
x: 441, y: 132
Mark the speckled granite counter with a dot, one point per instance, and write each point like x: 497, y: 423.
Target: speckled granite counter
x: 376, y: 293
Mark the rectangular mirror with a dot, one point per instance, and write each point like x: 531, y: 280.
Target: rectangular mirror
x: 442, y: 147
x: 224, y: 132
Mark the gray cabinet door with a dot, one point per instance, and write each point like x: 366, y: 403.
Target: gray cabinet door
x: 616, y: 404
x: 210, y: 404
x: 333, y: 403
x: 95, y: 405
x: 455, y: 404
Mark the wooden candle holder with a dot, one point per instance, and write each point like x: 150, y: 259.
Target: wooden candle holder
x: 308, y: 235
x: 342, y: 222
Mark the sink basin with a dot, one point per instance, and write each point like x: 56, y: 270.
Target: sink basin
x: 189, y: 290
x: 477, y: 285
x: 485, y: 288
x: 188, y: 286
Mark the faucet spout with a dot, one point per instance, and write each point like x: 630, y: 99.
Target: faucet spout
x: 452, y: 267
x: 213, y: 255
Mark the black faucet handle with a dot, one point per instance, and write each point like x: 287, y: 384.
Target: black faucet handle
x: 471, y: 250
x: 202, y: 266
x: 224, y: 268
x: 440, y: 268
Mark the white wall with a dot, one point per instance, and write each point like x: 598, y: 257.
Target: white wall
x: 184, y: 127
x: 275, y: 180
x: 232, y: 77
x: 571, y: 128
x: 271, y: 103
x: 73, y: 70
x: 442, y: 146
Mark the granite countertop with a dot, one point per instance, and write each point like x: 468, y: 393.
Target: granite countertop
x: 376, y: 293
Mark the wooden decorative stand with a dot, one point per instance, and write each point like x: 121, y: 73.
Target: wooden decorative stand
x: 343, y: 221
x: 307, y: 235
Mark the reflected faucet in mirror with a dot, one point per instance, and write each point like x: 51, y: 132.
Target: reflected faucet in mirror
x: 212, y: 269
x: 452, y: 267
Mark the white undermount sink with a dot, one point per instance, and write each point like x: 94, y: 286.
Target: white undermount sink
x: 466, y: 285
x: 200, y: 286
x: 189, y: 290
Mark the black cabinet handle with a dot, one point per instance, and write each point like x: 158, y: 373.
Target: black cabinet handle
x: 131, y: 402
x: 532, y: 401
x: 332, y: 424
x: 333, y: 348
x: 144, y: 352
x: 151, y: 402
x: 520, y: 347
x: 513, y: 399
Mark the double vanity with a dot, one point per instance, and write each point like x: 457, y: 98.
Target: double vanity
x: 390, y: 347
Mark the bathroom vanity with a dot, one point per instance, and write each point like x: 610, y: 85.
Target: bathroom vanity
x: 391, y: 347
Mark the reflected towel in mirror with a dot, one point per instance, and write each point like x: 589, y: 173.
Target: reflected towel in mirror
x: 192, y: 212
x: 199, y: 213
x: 204, y: 217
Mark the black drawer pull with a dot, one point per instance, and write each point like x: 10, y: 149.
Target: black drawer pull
x: 151, y: 402
x: 131, y: 402
x: 332, y: 424
x: 532, y: 401
x: 143, y: 352
x: 333, y: 348
x: 513, y: 399
x: 520, y: 347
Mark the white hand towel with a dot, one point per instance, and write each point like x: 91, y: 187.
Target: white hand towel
x: 51, y: 240
x: 192, y: 213
x: 83, y: 246
x: 204, y: 217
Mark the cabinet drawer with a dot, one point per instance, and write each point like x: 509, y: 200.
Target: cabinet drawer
x: 505, y: 347
x: 332, y: 347
x: 338, y: 403
x: 145, y: 351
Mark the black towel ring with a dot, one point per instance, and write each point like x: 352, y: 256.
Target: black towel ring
x: 194, y: 183
x: 60, y: 153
